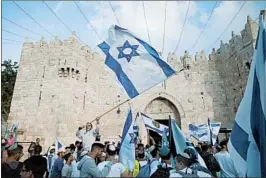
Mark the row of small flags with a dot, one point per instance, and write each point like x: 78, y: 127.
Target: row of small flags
x: 137, y: 67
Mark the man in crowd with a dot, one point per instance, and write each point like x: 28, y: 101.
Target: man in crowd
x: 87, y: 136
x: 67, y: 169
x: 225, y: 162
x: 87, y: 165
x: 209, y: 159
x: 182, y: 162
x: 34, y: 166
x: 117, y: 169
x: 12, y: 166
x: 32, y: 145
x: 58, y: 164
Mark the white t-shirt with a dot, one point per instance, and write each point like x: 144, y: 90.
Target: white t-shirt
x: 226, y: 164
x: 173, y: 173
x: 116, y: 169
x: 143, y: 163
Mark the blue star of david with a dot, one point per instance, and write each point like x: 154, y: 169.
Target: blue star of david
x: 127, y: 56
x: 133, y: 139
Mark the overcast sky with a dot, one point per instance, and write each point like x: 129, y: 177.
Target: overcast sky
x: 131, y: 16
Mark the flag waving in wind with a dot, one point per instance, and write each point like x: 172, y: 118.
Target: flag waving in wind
x: 247, y: 144
x: 136, y: 65
x: 127, y: 149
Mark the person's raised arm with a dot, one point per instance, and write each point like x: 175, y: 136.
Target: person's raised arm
x: 79, y: 132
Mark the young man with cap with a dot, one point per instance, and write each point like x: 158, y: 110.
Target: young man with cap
x: 182, y: 162
x: 87, y: 136
x: 117, y: 169
x: 87, y: 165
x: 58, y: 164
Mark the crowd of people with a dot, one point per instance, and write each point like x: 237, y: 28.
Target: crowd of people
x: 90, y: 158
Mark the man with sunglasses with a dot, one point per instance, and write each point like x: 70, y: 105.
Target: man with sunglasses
x: 87, y: 136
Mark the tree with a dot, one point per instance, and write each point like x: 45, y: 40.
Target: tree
x: 8, y: 79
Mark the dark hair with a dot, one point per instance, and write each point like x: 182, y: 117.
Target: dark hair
x: 110, y: 152
x: 223, y: 143
x: 15, y: 151
x: 38, y: 139
x: 205, y: 147
x: 182, y: 159
x: 77, y: 142
x: 198, y: 149
x: 72, y: 147
x: 37, y: 165
x: 154, y: 152
x: 140, y: 145
x: 96, y: 146
x: 37, y: 149
x: 65, y: 157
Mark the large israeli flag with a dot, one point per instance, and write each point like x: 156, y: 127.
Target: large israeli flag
x: 202, y: 132
x: 153, y: 125
x: 247, y: 144
x: 136, y: 65
x: 127, y: 149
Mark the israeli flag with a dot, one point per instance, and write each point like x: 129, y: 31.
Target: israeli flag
x: 181, y: 142
x: 202, y: 132
x: 151, y: 124
x: 127, y: 149
x: 58, y: 147
x: 136, y: 65
x: 247, y: 144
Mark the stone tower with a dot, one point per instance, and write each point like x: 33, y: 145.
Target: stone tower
x: 61, y: 85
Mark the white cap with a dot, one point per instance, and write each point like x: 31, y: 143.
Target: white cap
x: 103, y: 154
x: 62, y: 149
x: 111, y: 147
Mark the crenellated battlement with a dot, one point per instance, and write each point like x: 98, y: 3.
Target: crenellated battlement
x: 236, y: 45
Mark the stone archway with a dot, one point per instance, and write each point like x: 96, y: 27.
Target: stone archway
x: 159, y: 108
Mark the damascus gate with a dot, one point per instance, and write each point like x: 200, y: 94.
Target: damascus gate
x: 61, y: 85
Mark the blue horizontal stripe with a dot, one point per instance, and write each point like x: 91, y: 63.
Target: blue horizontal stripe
x: 239, y: 140
x: 120, y: 74
x: 258, y: 123
x: 127, y: 125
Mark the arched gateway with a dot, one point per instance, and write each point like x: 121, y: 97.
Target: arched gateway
x: 160, y: 108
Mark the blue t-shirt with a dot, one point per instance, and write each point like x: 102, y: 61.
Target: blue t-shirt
x: 57, y: 168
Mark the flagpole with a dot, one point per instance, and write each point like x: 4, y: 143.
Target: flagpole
x: 132, y: 98
x: 209, y: 123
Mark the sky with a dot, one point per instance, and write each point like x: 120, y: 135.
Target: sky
x: 130, y: 15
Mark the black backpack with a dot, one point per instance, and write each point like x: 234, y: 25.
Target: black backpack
x: 7, y: 171
x: 162, y: 172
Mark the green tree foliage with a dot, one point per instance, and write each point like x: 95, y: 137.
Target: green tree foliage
x: 8, y: 79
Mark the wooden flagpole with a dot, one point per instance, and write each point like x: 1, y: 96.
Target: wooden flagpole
x: 98, y: 118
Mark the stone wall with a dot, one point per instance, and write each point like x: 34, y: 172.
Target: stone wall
x: 61, y: 85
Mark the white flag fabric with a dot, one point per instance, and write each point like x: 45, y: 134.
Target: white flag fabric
x: 136, y: 65
x: 202, y: 132
x: 247, y: 144
x: 151, y: 124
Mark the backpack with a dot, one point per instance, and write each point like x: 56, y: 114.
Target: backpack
x: 7, y: 171
x: 198, y: 167
x: 193, y: 174
x: 162, y: 172
x: 145, y: 170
